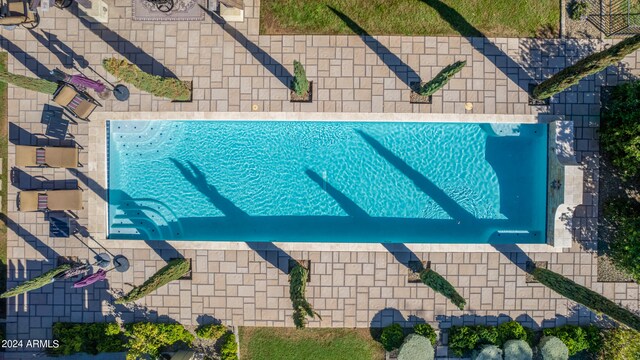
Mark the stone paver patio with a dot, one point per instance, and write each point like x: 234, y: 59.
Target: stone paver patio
x: 233, y: 69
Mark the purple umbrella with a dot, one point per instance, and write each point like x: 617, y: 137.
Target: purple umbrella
x: 85, y: 82
x: 99, y: 275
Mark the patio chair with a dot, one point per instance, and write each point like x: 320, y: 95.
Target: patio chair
x: 55, y: 157
x: 18, y: 12
x: 50, y: 200
x: 80, y: 104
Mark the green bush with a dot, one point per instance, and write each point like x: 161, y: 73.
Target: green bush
x: 624, y: 244
x: 297, y: 293
x: 578, y: 10
x: 29, y: 83
x: 488, y: 352
x: 211, y: 331
x: 620, y: 130
x: 440, y: 285
x: 620, y: 344
x: 229, y: 349
x: 552, y: 348
x: 517, y: 350
x: 170, y: 88
x: 392, y: 337
x: 174, y: 270
x: 300, y: 84
x: 91, y: 338
x: 513, y: 330
x: 464, y: 339
x: 147, y: 339
x: 37, y: 282
x: 586, y: 297
x: 416, y: 347
x: 577, y: 338
x: 441, y: 79
x: 427, y: 331
x: 588, y: 65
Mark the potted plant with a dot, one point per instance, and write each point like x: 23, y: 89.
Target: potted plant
x: 301, y: 88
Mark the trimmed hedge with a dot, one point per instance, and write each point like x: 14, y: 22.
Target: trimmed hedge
x: 488, y: 352
x: 174, y: 270
x: 586, y: 297
x: 29, y: 83
x: 170, y: 88
x: 441, y: 79
x: 620, y: 344
x: 392, y: 337
x: 37, y: 282
x: 91, y: 338
x: 147, y: 339
x: 577, y: 338
x: 211, y: 331
x: 552, y: 348
x: 297, y: 293
x: 517, y: 350
x: 440, y: 285
x: 587, y: 66
x: 416, y: 347
x: 624, y: 244
x: 427, y: 331
x: 229, y: 349
x: 464, y: 339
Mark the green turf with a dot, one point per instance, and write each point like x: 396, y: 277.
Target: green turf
x: 310, y: 343
x: 497, y: 18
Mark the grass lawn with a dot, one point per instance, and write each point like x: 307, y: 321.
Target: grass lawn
x: 317, y: 344
x: 499, y: 18
x: 4, y: 149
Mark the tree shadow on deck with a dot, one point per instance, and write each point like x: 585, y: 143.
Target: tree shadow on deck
x: 24, y: 58
x: 62, y: 51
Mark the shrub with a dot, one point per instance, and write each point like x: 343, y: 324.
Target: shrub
x: 488, y: 352
x: 297, y: 293
x: 513, y: 330
x: 37, y: 282
x: 578, y: 10
x: 392, y: 337
x: 174, y: 270
x: 211, y: 331
x: 170, y: 88
x: 586, y: 297
x: 440, y: 80
x: 586, y: 66
x: 147, y: 339
x: 439, y: 284
x: 427, y: 331
x: 624, y: 244
x: 29, y: 83
x: 619, y: 128
x: 416, y: 347
x: 229, y: 349
x: 464, y: 339
x: 620, y: 344
x: 577, y: 338
x: 300, y: 84
x: 517, y: 350
x: 91, y: 338
x: 552, y: 348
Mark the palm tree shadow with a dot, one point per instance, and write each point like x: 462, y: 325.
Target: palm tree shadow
x: 402, y: 71
x: 268, y: 62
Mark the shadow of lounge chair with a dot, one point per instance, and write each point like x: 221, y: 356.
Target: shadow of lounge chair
x: 50, y: 156
x: 79, y: 103
x: 50, y: 200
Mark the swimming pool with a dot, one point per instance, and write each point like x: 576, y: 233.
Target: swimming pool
x: 357, y: 182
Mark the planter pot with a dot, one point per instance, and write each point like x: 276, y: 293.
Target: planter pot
x: 188, y: 100
x: 414, y: 269
x: 416, y: 98
x: 536, y: 102
x: 188, y: 275
x: 308, y: 97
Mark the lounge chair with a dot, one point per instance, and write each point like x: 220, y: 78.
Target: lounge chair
x: 80, y: 104
x: 17, y: 12
x: 55, y: 157
x: 50, y: 200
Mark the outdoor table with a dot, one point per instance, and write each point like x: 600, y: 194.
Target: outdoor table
x: 59, y: 225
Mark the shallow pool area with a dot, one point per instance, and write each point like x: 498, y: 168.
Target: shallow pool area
x: 309, y: 181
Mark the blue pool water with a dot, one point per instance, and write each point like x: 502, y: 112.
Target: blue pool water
x: 327, y: 181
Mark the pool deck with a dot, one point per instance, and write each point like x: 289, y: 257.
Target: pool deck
x: 246, y: 286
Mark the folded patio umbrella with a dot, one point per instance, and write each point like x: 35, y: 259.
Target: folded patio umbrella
x: 79, y: 269
x: 87, y: 83
x: 99, y: 275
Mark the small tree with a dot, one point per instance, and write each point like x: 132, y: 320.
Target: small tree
x: 439, y: 284
x: 300, y: 84
x: 174, y: 270
x: 586, y: 66
x: 37, y: 282
x: 29, y: 83
x: 441, y: 79
x: 586, y: 297
x: 174, y: 89
x: 297, y: 292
